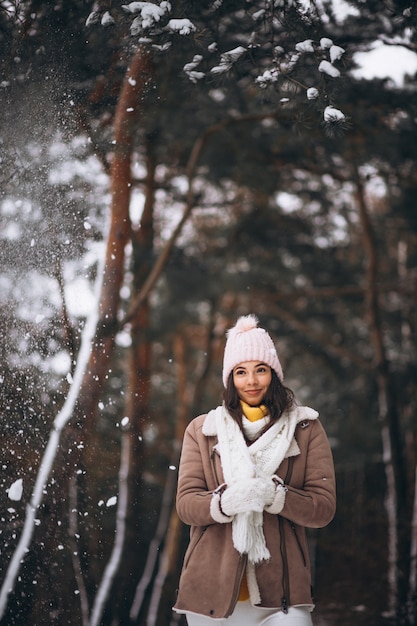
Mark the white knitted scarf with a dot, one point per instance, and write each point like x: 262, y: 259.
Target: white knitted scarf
x: 260, y: 459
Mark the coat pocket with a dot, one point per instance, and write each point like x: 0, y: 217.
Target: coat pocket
x: 195, y: 540
x: 301, y: 549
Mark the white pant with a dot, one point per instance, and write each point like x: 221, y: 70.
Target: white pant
x: 247, y: 615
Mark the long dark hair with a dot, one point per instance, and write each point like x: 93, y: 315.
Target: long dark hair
x: 278, y: 399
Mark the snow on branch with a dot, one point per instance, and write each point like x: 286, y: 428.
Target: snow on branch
x: 335, y: 121
x: 333, y: 115
x: 285, y: 69
x: 182, y: 27
x: 189, y: 69
x: 150, y: 16
x: 227, y: 60
x: 305, y: 46
x: 151, y: 19
x: 107, y: 19
x: 328, y: 68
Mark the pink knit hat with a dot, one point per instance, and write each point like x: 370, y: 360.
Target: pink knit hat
x: 247, y: 342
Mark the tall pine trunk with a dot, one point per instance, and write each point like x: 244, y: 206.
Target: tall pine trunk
x: 133, y: 89
x: 138, y: 381
x: 127, y: 117
x: 392, y: 443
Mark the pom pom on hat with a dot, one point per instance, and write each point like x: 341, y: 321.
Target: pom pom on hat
x: 247, y: 342
x: 244, y: 323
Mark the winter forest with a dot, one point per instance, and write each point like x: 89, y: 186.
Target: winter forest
x: 166, y: 167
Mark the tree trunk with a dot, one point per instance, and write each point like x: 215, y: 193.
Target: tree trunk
x: 132, y: 94
x: 133, y: 89
x: 138, y: 377
x: 139, y: 367
x: 392, y: 444
x: 412, y: 587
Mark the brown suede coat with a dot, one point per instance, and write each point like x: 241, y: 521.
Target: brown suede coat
x: 213, y: 569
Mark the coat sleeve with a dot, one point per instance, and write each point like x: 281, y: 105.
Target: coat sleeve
x: 314, y: 504
x: 195, y: 478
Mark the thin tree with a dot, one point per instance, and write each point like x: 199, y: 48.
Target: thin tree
x: 393, y: 449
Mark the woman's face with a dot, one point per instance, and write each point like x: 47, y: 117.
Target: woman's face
x: 252, y: 379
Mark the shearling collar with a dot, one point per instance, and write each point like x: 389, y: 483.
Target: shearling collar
x: 301, y: 413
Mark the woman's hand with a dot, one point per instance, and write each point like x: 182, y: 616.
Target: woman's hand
x: 252, y: 494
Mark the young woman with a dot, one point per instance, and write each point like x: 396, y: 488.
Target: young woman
x: 254, y: 473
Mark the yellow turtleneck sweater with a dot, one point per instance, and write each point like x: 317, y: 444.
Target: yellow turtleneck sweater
x: 253, y: 414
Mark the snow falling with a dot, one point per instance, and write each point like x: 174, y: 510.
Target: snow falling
x: 15, y: 490
x: 55, y: 211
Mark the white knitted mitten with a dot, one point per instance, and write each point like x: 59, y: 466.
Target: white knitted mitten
x: 251, y: 494
x: 278, y: 502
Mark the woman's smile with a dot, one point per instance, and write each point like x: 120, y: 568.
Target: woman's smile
x: 252, y: 379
